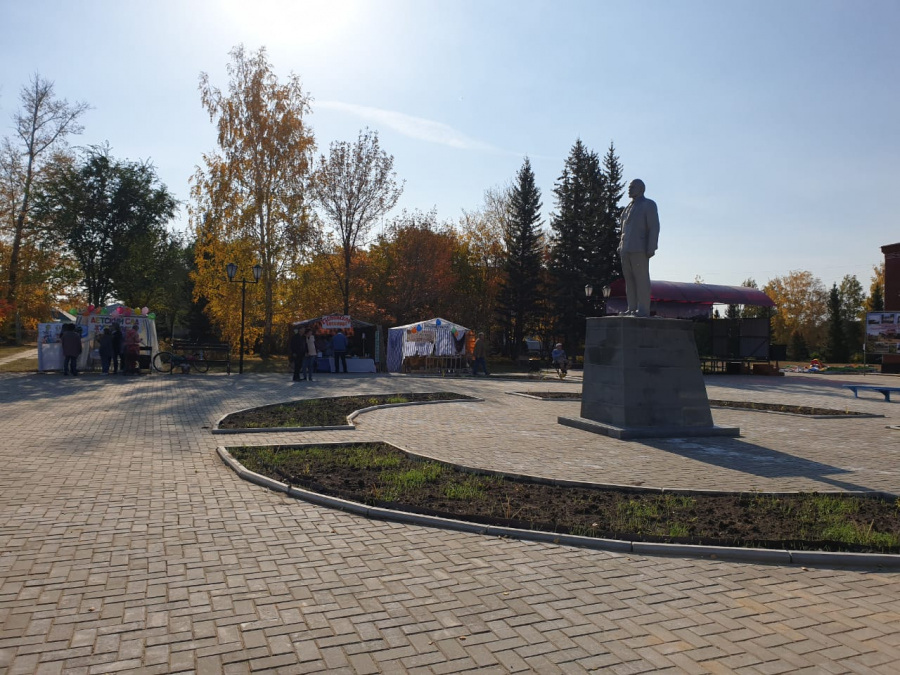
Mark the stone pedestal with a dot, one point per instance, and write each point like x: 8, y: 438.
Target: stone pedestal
x: 642, y: 379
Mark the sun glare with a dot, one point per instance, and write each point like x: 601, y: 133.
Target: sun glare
x: 292, y: 22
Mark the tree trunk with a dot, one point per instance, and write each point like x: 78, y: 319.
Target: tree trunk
x: 13, y: 279
x: 346, y: 289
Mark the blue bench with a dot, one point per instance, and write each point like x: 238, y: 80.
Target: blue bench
x: 885, y: 391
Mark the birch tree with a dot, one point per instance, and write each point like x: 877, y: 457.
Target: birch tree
x: 355, y: 186
x: 250, y: 197
x: 41, y: 127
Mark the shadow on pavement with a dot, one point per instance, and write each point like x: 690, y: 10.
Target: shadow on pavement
x: 745, y: 457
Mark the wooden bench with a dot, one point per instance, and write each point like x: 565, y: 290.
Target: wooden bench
x: 885, y: 391
x: 214, y: 353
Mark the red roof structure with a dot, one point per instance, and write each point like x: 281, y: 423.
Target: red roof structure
x: 705, y: 294
x: 678, y: 299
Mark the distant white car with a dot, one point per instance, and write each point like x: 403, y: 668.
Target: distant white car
x: 534, y: 347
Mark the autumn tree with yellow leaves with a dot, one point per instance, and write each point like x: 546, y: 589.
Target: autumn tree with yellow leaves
x: 249, y: 202
x: 480, y: 258
x: 801, y: 306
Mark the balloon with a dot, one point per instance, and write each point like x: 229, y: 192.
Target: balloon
x: 151, y: 315
x: 145, y: 311
x: 104, y: 311
x: 453, y: 330
x: 419, y: 326
x: 437, y: 322
x: 118, y: 310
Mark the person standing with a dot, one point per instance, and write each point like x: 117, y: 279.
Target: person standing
x: 132, y: 350
x: 117, y: 345
x: 309, y: 361
x: 71, y: 348
x: 480, y: 355
x: 105, y: 347
x: 298, y: 352
x: 339, y: 349
x: 640, y: 237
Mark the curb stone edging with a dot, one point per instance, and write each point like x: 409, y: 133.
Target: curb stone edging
x: 540, y: 398
x: 854, y: 416
x: 737, y: 554
x: 345, y: 427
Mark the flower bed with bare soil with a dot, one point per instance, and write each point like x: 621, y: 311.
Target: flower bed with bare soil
x: 379, y: 474
x: 325, y: 412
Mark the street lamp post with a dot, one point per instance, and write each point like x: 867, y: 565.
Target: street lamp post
x: 589, y: 291
x: 231, y: 270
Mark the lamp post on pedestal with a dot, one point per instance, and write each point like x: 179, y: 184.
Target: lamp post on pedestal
x: 589, y: 291
x: 231, y: 270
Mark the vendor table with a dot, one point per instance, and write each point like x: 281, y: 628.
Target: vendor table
x: 326, y: 364
x: 360, y: 365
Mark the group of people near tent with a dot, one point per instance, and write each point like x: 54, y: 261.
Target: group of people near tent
x: 111, y: 336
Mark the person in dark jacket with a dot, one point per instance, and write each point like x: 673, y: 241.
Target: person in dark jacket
x: 71, y: 348
x: 117, y: 344
x: 480, y: 355
x: 105, y: 347
x: 298, y: 352
x: 339, y: 348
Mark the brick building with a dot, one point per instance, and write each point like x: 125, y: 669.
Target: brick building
x: 891, y: 362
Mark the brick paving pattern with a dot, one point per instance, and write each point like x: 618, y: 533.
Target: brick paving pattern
x: 127, y: 546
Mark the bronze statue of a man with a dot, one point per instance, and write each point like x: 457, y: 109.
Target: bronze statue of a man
x: 640, y: 236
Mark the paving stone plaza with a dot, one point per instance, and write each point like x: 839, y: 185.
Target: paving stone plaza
x: 126, y: 545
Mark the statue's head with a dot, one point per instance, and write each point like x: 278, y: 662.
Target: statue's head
x: 636, y: 188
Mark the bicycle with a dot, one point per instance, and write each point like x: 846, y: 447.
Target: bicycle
x: 166, y: 362
x: 562, y: 368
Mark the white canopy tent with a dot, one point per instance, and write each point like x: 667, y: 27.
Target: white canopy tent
x: 434, y: 337
x: 91, y: 325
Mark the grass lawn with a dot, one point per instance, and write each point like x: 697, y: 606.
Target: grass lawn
x: 18, y: 365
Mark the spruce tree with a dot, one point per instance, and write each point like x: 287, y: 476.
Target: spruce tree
x: 837, y: 351
x: 585, y: 235
x: 608, y: 265
x: 523, y: 239
x: 578, y: 203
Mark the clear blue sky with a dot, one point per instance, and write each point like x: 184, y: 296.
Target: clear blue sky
x: 768, y: 131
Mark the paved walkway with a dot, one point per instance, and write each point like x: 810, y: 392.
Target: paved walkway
x: 127, y: 546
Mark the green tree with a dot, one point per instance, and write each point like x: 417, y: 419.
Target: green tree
x: 585, y: 234
x: 108, y: 213
x: 579, y: 210
x: 42, y: 126
x: 853, y: 312
x: 852, y: 298
x: 523, y: 241
x: 798, y: 348
x: 250, y: 200
x: 603, y: 253
x: 836, y: 350
x: 355, y: 186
